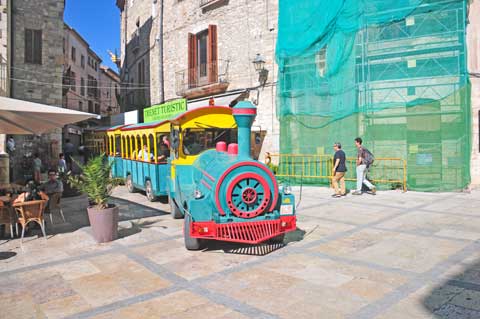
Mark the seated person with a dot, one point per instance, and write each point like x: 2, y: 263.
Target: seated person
x: 164, y: 153
x: 144, y: 155
x: 165, y: 141
x: 53, y: 185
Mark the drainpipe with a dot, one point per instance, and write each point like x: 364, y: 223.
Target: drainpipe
x: 160, y: 53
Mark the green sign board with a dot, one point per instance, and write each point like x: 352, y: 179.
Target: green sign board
x: 164, y: 111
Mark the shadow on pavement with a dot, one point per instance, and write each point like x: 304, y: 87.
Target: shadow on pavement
x: 458, y: 297
x: 261, y: 249
x: 76, y: 217
x: 7, y: 254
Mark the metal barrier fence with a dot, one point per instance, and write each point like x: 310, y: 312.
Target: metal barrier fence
x: 391, y: 171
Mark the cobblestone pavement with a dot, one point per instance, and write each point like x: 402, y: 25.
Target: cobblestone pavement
x: 394, y: 255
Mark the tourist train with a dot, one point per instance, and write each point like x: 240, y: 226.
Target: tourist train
x: 201, y: 161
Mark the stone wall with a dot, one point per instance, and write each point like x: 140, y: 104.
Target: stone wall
x: 41, y: 83
x: 473, y: 46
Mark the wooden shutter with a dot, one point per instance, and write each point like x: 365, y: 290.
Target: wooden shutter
x: 212, y: 54
x: 192, y: 60
x: 28, y: 46
x: 37, y: 47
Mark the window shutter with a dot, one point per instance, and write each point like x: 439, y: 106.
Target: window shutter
x: 212, y: 54
x: 28, y: 46
x: 192, y: 60
x: 37, y: 45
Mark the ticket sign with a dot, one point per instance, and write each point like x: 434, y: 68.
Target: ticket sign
x: 165, y: 111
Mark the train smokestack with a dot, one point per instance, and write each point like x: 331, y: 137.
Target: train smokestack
x: 244, y: 113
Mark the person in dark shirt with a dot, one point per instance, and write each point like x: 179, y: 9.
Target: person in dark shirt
x: 339, y: 170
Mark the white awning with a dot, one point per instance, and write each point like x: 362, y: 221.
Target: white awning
x: 22, y: 117
x: 220, y: 99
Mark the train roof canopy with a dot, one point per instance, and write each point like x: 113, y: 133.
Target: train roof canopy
x: 144, y: 126
x: 206, y: 117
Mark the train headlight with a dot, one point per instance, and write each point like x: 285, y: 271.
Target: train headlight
x: 287, y: 189
x: 197, y: 194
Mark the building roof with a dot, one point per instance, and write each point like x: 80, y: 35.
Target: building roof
x: 78, y: 35
x: 91, y: 52
x: 110, y: 73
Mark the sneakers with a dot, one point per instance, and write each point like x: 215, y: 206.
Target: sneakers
x: 357, y: 193
x: 337, y: 196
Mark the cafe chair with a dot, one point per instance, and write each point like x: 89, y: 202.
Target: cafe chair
x: 54, y: 205
x: 31, y: 211
x: 7, y: 218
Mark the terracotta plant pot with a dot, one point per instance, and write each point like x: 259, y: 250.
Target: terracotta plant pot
x: 104, y: 223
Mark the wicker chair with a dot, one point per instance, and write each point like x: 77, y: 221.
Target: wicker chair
x: 54, y: 205
x: 7, y: 218
x: 31, y: 211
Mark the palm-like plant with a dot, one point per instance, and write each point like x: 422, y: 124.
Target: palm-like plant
x: 95, y: 181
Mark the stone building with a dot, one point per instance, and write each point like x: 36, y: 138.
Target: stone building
x: 473, y: 46
x: 208, y: 50
x: 36, y: 64
x: 109, y: 87
x: 81, y: 73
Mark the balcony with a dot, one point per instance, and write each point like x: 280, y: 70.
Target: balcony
x: 211, y: 4
x: 202, y: 81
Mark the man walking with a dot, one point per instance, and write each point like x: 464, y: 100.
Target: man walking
x: 339, y: 169
x: 364, y: 160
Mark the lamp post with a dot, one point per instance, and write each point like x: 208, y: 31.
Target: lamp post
x: 259, y: 64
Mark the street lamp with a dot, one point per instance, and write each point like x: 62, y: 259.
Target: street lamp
x: 259, y: 64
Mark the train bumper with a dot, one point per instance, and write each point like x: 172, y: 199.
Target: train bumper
x: 246, y: 232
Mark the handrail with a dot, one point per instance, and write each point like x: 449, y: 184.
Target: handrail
x: 387, y: 170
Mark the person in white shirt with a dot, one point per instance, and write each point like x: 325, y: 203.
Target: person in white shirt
x: 144, y: 155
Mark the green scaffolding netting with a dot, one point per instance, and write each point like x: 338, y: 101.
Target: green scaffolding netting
x: 391, y: 72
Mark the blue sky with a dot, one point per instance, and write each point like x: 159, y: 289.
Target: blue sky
x: 98, y: 21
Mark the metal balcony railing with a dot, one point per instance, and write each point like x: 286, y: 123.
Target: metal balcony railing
x: 201, y: 76
x: 206, y: 3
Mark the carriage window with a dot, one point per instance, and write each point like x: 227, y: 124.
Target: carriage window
x: 118, y: 145
x: 196, y: 141
x: 163, y: 147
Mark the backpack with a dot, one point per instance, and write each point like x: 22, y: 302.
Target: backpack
x: 368, y: 157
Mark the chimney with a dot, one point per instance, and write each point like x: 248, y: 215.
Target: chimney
x: 244, y: 113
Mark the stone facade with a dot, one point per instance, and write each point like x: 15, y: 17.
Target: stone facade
x: 109, y: 90
x: 37, y: 82
x: 473, y: 45
x: 81, y: 64
x: 139, y: 54
x: 243, y: 30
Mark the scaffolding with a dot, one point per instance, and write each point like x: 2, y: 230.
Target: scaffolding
x: 404, y: 89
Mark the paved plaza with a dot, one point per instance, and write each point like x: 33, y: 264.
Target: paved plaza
x: 394, y: 255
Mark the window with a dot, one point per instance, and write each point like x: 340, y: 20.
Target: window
x: 90, y: 107
x: 80, y: 105
x: 92, y: 89
x: 73, y: 81
x: 82, y: 61
x: 202, y: 57
x: 33, y: 46
x: 97, y: 108
x: 74, y: 54
x: 199, y: 140
x: 82, y: 86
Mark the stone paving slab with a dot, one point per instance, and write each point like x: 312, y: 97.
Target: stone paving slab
x: 393, y: 255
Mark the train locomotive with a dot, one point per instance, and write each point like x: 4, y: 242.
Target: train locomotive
x: 222, y: 193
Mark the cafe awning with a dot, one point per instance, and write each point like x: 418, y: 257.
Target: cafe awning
x: 22, y: 117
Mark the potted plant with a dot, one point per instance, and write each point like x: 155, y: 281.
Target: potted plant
x: 95, y: 181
